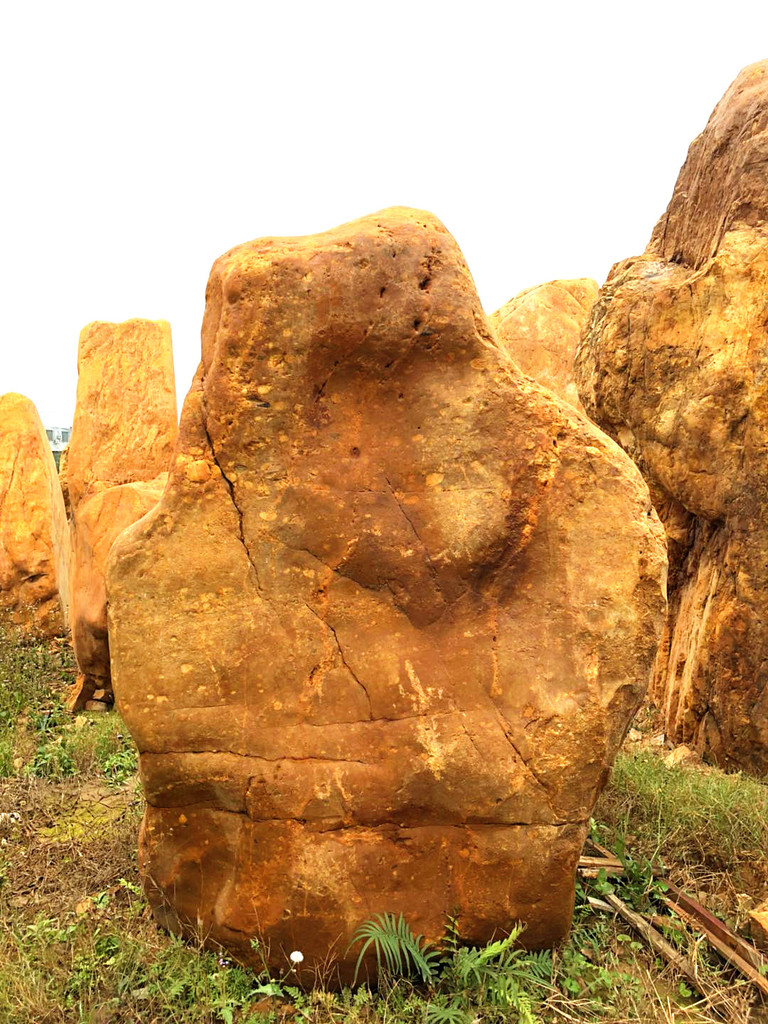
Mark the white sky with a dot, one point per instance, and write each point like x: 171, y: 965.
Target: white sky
x: 141, y: 140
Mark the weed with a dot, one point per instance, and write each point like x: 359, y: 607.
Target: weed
x: 587, y: 968
x: 31, y: 678
x: 6, y: 753
x: 121, y: 766
x: 52, y: 761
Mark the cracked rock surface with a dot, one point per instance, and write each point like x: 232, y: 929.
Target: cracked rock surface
x: 383, y: 634
x: 34, y: 536
x: 123, y: 437
x: 673, y: 365
x: 541, y: 327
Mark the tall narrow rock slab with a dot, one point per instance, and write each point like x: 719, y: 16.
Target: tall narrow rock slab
x: 34, y: 536
x: 541, y: 328
x: 380, y: 639
x: 125, y: 424
x: 673, y: 365
x: 123, y: 436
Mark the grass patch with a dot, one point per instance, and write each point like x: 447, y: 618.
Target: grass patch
x: 38, y: 736
x: 33, y: 678
x: 699, y: 819
x: 104, y: 967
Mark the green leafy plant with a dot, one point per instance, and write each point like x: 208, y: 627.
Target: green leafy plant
x: 499, y: 974
x: 585, y: 968
x: 52, y: 761
x: 121, y: 766
x: 637, y: 884
x: 442, y: 1011
x: 460, y: 978
x: 398, y: 950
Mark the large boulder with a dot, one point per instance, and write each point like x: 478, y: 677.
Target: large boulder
x: 34, y: 536
x: 383, y: 634
x: 123, y: 436
x: 674, y: 365
x: 541, y: 327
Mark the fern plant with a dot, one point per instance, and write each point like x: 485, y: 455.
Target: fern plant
x: 447, y: 1011
x: 398, y: 950
x: 499, y: 974
x: 461, y: 978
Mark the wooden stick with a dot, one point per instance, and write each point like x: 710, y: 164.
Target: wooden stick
x: 715, y: 1000
x: 590, y: 867
x: 723, y: 948
x: 710, y: 924
x: 599, y: 904
x: 601, y: 849
x: 600, y: 862
x: 655, y: 939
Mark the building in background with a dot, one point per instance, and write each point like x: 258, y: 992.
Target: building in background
x: 59, y: 439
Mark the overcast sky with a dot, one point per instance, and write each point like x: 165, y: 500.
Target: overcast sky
x: 141, y: 140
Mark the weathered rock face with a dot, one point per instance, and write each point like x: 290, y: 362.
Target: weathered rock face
x: 96, y: 522
x: 64, y: 482
x: 125, y: 424
x: 380, y: 639
x: 34, y: 536
x: 758, y: 921
x: 116, y: 466
x: 674, y: 366
x: 540, y: 328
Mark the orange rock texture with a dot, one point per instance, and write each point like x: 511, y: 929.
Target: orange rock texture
x: 63, y: 481
x: 540, y: 328
x: 34, y: 536
x: 125, y: 424
x: 673, y: 366
x: 96, y: 522
x: 123, y: 436
x: 383, y: 634
x: 758, y: 922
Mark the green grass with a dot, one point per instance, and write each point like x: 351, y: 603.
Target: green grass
x: 28, y: 670
x: 692, y: 816
x: 106, y: 967
x: 35, y: 727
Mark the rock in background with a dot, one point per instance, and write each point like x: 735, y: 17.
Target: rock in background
x: 123, y: 436
x: 64, y: 482
x: 382, y: 636
x: 34, y: 535
x: 674, y: 366
x: 540, y: 328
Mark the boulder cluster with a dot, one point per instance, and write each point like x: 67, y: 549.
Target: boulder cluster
x: 56, y: 531
x: 673, y: 365
x: 379, y: 613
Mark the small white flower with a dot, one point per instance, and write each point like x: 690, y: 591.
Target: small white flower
x: 297, y: 956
